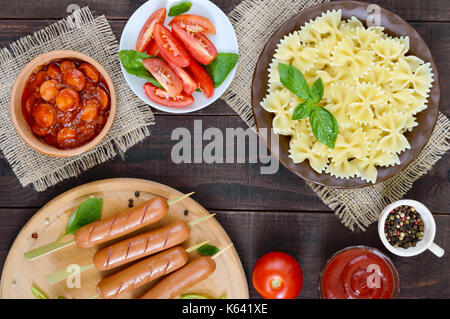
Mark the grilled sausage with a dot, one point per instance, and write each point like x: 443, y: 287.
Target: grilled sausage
x: 122, y: 223
x: 182, y: 279
x: 142, y: 245
x: 142, y: 272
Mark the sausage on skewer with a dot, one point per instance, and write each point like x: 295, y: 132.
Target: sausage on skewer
x: 174, y: 284
x: 122, y: 223
x: 142, y: 245
x: 142, y: 272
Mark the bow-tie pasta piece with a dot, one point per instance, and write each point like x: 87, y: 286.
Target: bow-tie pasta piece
x: 372, y: 87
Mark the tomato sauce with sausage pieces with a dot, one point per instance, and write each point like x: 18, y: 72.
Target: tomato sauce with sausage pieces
x: 66, y: 103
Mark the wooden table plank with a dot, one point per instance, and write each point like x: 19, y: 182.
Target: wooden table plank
x: 218, y: 186
x: 310, y: 237
x: 437, y: 36
x: 416, y: 10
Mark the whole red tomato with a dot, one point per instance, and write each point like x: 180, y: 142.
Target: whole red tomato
x: 277, y: 275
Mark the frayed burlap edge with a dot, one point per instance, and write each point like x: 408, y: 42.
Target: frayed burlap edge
x: 121, y: 136
x: 358, y: 208
x: 268, y: 15
x: 255, y: 21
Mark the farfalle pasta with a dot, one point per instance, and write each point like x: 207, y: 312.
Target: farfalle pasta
x: 372, y: 86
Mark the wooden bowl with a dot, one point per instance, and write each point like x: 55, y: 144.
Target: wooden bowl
x: 16, y: 104
x: 394, y: 26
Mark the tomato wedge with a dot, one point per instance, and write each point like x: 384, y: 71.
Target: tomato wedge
x: 162, y: 97
x: 164, y: 75
x: 147, y: 30
x: 198, y: 45
x: 194, y: 23
x: 189, y: 83
x: 170, y: 49
x: 152, y: 49
x: 203, y: 79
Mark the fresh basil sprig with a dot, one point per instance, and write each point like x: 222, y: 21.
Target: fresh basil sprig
x: 207, y: 250
x: 132, y: 62
x: 89, y: 211
x: 219, y: 69
x: 221, y: 66
x: 323, y: 124
x: 180, y: 8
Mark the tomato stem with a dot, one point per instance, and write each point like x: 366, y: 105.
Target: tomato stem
x: 275, y: 283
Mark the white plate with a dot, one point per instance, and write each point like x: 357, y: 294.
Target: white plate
x: 225, y: 41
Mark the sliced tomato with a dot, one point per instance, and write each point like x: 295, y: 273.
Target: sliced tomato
x: 164, y: 75
x: 189, y: 83
x: 194, y: 23
x: 152, y: 49
x: 198, y: 45
x: 147, y: 30
x: 170, y: 48
x: 203, y: 79
x: 162, y: 97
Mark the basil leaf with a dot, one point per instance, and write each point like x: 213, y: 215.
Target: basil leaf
x: 324, y: 126
x: 207, y: 250
x: 302, y: 111
x: 180, y: 8
x: 38, y: 293
x: 132, y: 62
x: 222, y: 65
x: 292, y: 78
x: 317, y: 91
x: 88, y: 212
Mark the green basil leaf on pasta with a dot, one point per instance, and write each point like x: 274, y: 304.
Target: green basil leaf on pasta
x: 302, y: 111
x: 317, y: 90
x: 324, y: 126
x: 292, y: 78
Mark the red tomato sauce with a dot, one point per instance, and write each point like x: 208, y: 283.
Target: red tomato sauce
x: 346, y: 276
x: 66, y: 103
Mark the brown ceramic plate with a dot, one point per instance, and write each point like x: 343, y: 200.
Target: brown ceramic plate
x: 394, y: 26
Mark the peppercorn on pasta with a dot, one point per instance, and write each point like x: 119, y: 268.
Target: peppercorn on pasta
x: 371, y: 86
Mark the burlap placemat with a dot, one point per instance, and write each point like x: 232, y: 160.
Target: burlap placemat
x: 94, y: 37
x: 255, y: 21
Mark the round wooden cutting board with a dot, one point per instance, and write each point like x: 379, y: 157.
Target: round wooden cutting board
x: 19, y: 274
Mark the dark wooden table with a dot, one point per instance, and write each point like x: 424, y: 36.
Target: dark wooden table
x: 261, y: 213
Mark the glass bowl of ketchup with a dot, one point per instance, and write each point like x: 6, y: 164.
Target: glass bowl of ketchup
x: 359, y: 272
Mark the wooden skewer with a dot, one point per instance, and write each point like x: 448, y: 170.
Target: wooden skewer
x: 222, y: 251
x: 57, y: 245
x: 63, y: 274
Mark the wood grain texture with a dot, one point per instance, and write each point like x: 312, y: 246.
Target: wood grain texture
x: 217, y: 186
x: 436, y: 35
x: 313, y: 237
x: 310, y: 237
x: 305, y: 228
x: 50, y: 222
x: 416, y: 10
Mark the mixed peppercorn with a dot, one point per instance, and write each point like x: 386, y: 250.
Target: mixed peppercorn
x: 404, y: 227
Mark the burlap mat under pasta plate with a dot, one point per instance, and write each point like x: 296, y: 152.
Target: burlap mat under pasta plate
x: 94, y: 37
x: 255, y: 21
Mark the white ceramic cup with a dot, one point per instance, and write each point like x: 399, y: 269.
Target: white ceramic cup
x: 428, y: 233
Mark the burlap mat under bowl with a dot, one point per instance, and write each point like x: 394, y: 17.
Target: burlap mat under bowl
x: 255, y: 21
x: 94, y: 37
